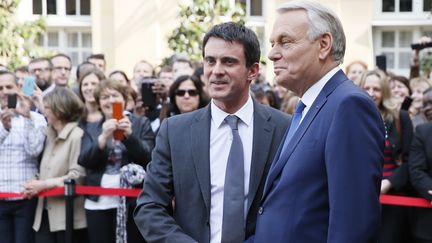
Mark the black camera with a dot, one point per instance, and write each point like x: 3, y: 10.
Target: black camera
x: 147, y: 95
x: 421, y: 46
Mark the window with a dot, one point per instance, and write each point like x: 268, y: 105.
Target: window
x: 76, y: 44
x: 427, y: 5
x: 405, y: 6
x: 51, y: 7
x: 37, y: 6
x: 78, y: 7
x: 65, y: 7
x: 255, y: 8
x: 396, y: 46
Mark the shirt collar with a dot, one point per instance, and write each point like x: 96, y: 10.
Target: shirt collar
x: 64, y: 133
x: 245, y: 113
x: 312, y: 93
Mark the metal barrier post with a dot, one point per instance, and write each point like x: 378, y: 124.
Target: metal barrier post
x: 69, y: 194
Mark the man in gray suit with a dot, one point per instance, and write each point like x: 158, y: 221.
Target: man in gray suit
x: 185, y: 190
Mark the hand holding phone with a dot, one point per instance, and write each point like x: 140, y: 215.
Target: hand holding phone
x: 117, y: 113
x: 29, y: 85
x: 12, y: 101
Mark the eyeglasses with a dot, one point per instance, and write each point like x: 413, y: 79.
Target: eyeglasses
x: 182, y: 92
x: 67, y: 69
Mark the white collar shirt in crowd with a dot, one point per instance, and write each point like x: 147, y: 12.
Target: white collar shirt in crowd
x: 312, y: 93
x: 19, y: 151
x: 220, y: 144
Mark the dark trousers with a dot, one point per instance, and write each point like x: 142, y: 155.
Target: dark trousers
x: 102, y: 226
x: 395, y: 226
x: 16, y: 221
x: 44, y: 235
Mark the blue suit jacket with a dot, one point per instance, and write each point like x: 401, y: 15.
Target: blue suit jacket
x: 327, y: 186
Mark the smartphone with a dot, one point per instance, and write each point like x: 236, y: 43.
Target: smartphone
x: 12, y: 101
x: 147, y: 95
x: 117, y: 113
x: 406, y: 103
x: 381, y: 62
x: 29, y: 85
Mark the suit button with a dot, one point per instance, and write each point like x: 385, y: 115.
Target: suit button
x: 260, y: 210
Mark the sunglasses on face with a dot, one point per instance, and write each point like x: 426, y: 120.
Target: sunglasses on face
x: 182, y: 92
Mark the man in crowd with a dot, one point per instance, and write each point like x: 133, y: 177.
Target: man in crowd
x: 40, y: 68
x: 61, y: 69
x: 22, y: 135
x: 324, y: 184
x: 98, y: 60
x: 206, y: 188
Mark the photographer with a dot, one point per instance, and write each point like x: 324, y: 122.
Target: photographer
x: 423, y: 42
x: 22, y: 135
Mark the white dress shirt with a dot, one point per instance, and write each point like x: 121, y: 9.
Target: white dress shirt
x: 312, y: 93
x: 220, y: 144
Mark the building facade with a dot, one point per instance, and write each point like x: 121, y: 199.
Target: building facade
x: 127, y: 31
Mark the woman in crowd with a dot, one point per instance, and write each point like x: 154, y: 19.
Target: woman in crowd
x: 395, y: 227
x: 119, y: 76
x: 59, y: 162
x: 355, y: 69
x: 186, y: 94
x: 401, y: 91
x: 418, y: 86
x: 87, y: 83
x: 104, y: 154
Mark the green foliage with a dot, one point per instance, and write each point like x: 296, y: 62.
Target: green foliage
x: 18, y: 39
x: 196, y: 18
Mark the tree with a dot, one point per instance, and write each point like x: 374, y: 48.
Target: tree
x: 18, y: 39
x: 196, y: 18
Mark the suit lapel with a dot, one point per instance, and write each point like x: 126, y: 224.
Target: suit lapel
x: 319, y: 102
x: 201, y: 151
x: 262, y: 139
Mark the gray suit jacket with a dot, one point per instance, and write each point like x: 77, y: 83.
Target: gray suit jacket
x: 180, y: 170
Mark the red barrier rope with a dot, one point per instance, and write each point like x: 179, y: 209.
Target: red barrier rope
x: 80, y: 190
x: 95, y: 190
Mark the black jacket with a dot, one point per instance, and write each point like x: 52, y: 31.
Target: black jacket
x: 138, y: 147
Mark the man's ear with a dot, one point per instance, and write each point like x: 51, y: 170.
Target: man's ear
x: 325, y: 45
x: 253, y: 71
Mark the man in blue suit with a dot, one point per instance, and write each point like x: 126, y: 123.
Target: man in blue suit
x: 324, y: 183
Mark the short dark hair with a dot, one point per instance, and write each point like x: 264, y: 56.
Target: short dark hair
x: 99, y: 56
x: 41, y: 59
x: 203, y: 100
x: 23, y: 69
x: 78, y: 70
x: 7, y: 72
x: 236, y: 32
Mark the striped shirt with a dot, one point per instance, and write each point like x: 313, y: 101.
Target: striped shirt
x: 19, y: 151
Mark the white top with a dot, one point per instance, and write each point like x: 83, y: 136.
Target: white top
x: 220, y: 145
x: 105, y: 202
x: 312, y: 93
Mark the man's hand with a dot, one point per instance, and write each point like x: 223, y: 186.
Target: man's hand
x: 160, y: 90
x: 6, y: 118
x: 24, y: 105
x: 38, y: 99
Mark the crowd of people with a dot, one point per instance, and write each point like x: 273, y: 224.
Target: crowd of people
x: 106, y: 129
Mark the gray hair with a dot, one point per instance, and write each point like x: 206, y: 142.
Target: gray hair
x: 321, y: 20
